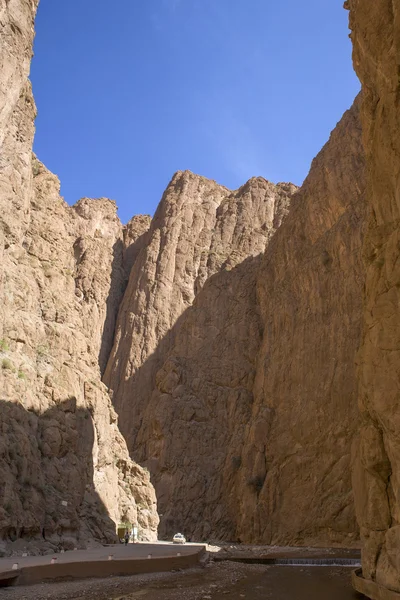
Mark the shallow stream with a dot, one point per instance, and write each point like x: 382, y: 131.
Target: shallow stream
x: 295, y: 583
x: 274, y: 583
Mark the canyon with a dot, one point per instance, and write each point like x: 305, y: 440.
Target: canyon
x: 231, y: 362
x: 234, y: 430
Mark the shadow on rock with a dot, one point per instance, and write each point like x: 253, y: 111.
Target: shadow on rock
x: 192, y: 402
x: 47, y: 497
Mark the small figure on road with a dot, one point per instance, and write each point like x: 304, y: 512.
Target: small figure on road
x: 126, y: 537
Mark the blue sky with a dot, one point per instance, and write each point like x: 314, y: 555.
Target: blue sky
x: 130, y: 92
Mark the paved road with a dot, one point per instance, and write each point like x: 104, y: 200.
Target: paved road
x: 119, y: 551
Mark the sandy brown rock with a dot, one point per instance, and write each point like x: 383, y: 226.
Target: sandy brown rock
x: 163, y: 282
x: 376, y: 54
x: 193, y: 421
x: 66, y: 474
x: 135, y: 238
x: 295, y: 475
x: 199, y: 229
x: 232, y: 358
x: 17, y: 113
x: 232, y: 456
x: 57, y: 303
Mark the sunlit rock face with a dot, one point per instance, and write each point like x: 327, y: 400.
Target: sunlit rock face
x: 67, y: 478
x: 233, y: 363
x: 375, y: 34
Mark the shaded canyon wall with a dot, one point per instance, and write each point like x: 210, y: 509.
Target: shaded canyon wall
x: 304, y: 414
x: 187, y: 337
x: 375, y: 34
x: 233, y: 364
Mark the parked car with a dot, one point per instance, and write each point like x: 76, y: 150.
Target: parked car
x: 179, y: 539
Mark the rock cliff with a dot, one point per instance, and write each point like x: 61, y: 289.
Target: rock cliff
x: 66, y: 475
x: 240, y: 397
x: 304, y: 414
x: 375, y: 34
x: 183, y: 362
x: 225, y: 329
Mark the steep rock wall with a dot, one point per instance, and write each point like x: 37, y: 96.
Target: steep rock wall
x: 295, y: 475
x: 17, y: 115
x: 238, y: 401
x: 232, y: 372
x: 66, y: 474
x: 376, y: 53
x: 188, y: 332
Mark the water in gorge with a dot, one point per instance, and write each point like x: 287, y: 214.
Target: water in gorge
x: 269, y: 583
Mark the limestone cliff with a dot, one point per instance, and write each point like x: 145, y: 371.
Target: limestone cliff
x: 66, y: 476
x: 242, y: 400
x: 375, y: 28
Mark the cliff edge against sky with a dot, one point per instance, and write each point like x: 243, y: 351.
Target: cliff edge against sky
x: 224, y: 332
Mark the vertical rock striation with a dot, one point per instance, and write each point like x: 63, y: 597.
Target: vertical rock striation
x: 66, y: 474
x: 233, y: 372
x: 183, y: 363
x: 295, y: 474
x: 375, y: 34
x: 231, y: 360
x: 17, y: 115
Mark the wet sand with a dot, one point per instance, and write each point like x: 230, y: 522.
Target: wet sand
x: 215, y: 582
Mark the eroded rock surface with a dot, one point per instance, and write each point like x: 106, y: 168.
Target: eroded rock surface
x: 58, y: 318
x: 66, y: 474
x: 241, y: 401
x: 232, y: 358
x: 376, y: 52
x: 295, y: 477
x: 188, y: 332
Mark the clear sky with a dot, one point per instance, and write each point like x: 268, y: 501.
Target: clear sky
x: 131, y: 91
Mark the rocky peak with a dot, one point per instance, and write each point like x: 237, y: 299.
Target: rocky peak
x: 198, y: 229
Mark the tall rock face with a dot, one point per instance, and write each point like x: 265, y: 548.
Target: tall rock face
x: 183, y: 363
x: 17, y: 115
x: 225, y: 330
x: 295, y: 473
x: 67, y: 478
x: 376, y: 52
x: 233, y: 364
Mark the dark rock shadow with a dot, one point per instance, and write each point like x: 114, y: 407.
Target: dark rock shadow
x: 47, y: 496
x: 132, y: 252
x: 184, y: 412
x: 123, y: 261
x: 118, y: 282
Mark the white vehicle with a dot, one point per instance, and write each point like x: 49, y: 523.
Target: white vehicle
x: 179, y: 539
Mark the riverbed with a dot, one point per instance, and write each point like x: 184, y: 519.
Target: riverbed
x: 217, y: 581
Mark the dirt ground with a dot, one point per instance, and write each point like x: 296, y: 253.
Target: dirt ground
x: 213, y: 580
x: 193, y: 584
